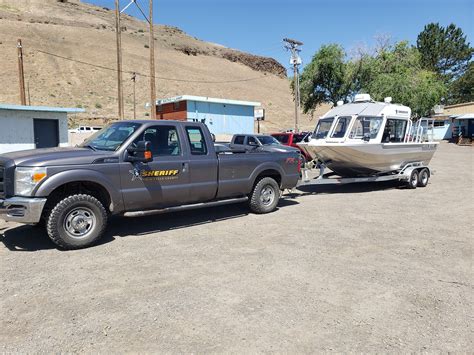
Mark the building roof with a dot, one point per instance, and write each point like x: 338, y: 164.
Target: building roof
x: 466, y: 116
x: 40, y: 108
x: 207, y: 99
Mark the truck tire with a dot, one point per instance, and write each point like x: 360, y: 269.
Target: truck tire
x: 412, y: 182
x: 77, y: 221
x: 264, y: 196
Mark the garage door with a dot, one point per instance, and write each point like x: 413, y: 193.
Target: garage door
x: 46, y: 133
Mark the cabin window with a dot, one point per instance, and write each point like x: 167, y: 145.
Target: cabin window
x: 341, y: 127
x: 439, y: 123
x: 365, y: 126
x: 323, y: 127
x: 394, y: 131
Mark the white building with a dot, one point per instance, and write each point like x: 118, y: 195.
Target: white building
x: 30, y: 127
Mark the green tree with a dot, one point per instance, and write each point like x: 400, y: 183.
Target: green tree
x: 444, y: 50
x: 397, y: 72
x: 329, y: 77
x: 462, y: 89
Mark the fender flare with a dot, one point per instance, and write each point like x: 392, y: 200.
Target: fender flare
x: 81, y: 175
x: 261, y: 168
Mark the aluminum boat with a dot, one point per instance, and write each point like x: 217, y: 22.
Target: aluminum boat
x: 370, y: 138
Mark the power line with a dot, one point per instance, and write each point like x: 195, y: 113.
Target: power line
x: 145, y: 75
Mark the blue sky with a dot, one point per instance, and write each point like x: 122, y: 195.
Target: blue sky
x: 258, y: 26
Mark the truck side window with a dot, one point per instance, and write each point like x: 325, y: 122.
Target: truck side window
x: 196, y: 141
x: 164, y: 140
x: 252, y: 141
x: 239, y: 140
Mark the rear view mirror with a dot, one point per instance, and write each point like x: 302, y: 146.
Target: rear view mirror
x: 142, y: 152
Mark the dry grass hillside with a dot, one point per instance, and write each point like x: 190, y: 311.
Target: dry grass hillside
x: 85, y: 33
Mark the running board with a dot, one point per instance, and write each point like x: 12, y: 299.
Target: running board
x: 186, y: 207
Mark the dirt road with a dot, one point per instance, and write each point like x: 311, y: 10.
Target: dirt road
x: 362, y: 268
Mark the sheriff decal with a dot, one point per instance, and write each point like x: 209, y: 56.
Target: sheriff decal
x: 147, y: 175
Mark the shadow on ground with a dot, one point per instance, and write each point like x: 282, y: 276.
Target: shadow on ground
x: 349, y: 188
x: 29, y: 238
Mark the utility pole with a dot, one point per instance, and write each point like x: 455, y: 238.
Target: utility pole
x: 152, y: 65
x: 152, y: 52
x: 292, y: 45
x: 119, y: 59
x: 134, y: 79
x: 21, y: 72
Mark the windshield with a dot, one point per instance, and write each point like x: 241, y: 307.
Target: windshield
x: 268, y: 140
x: 282, y: 138
x: 323, y: 127
x: 364, y: 126
x: 112, y: 136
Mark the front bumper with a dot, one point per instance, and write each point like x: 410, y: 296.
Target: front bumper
x: 22, y: 209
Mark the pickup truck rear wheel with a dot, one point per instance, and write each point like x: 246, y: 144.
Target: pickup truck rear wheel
x: 77, y: 221
x: 265, y: 195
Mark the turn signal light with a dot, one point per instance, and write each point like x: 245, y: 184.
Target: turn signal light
x: 148, y: 155
x: 37, y: 177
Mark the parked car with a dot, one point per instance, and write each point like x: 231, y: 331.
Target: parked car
x: 258, y: 142
x: 85, y: 129
x: 291, y: 138
x: 132, y: 166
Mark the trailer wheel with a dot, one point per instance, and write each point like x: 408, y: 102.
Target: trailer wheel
x: 264, y: 196
x: 423, y: 177
x: 77, y: 221
x: 413, y: 181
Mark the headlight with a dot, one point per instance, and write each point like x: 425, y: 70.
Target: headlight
x: 26, y: 179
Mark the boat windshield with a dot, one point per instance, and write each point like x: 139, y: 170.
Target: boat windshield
x: 322, y: 128
x: 364, y: 126
x: 111, y: 137
x: 341, y: 127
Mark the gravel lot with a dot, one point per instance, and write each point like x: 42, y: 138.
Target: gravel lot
x: 359, y: 268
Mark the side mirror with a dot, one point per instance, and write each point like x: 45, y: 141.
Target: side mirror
x: 213, y: 136
x: 142, y: 153
x: 366, y: 137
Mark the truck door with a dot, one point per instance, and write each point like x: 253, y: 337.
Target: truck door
x: 162, y: 182
x: 202, y: 165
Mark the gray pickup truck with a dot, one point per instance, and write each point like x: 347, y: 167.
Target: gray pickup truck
x: 132, y: 166
x: 259, y: 142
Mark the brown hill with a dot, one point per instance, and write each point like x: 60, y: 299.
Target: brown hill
x: 70, y: 60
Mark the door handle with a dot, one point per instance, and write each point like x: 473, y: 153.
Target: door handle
x: 185, y: 167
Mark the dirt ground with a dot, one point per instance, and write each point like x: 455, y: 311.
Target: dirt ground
x: 358, y: 268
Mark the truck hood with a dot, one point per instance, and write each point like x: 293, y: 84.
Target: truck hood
x: 278, y: 148
x: 55, y: 156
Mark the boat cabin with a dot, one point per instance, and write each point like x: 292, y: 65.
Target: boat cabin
x: 367, y: 121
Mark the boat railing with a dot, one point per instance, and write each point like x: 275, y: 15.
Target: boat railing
x: 420, y: 131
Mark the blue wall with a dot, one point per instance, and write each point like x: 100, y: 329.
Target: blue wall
x: 443, y: 132
x: 222, y: 118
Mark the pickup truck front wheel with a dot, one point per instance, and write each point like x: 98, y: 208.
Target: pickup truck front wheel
x: 77, y: 221
x: 265, y: 195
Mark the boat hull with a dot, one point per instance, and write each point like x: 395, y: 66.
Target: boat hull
x: 351, y: 160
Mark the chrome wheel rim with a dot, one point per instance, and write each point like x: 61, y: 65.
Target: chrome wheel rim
x: 414, y: 179
x: 267, y: 196
x: 79, y: 222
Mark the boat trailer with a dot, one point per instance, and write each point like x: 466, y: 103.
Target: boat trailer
x: 414, y: 174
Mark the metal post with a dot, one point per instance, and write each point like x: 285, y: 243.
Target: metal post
x: 152, y: 65
x: 297, y: 96
x: 134, y: 79
x: 21, y: 72
x: 119, y: 59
